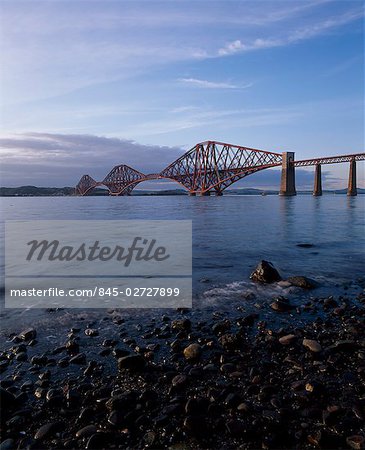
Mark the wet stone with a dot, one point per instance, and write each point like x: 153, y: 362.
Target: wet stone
x: 287, y: 339
x: 312, y: 345
x: 181, y: 325
x: 192, y: 351
x: 7, y: 444
x: 22, y: 356
x: 48, y: 430
x: 229, y: 341
x: 80, y: 358
x: 7, y: 401
x: 28, y: 334
x: 119, y: 352
x: 97, y: 441
x: 133, y: 363
x: 91, y: 332
x: 356, y: 442
x: 281, y: 304
x: 302, y: 282
x: 179, y: 381
x: 86, y: 431
x: 265, y: 272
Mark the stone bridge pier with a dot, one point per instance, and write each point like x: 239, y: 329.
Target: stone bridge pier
x: 317, y: 191
x: 352, y: 189
x: 287, y: 186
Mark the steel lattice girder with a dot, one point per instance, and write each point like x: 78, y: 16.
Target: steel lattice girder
x: 120, y: 177
x: 207, y: 166
x: 330, y: 160
x: 214, y: 165
x: 86, y: 184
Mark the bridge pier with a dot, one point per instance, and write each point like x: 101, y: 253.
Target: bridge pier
x: 352, y: 189
x: 317, y: 191
x: 218, y: 193
x: 287, y: 186
x: 205, y: 193
x: 192, y: 194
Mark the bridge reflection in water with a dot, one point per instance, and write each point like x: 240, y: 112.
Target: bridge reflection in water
x: 211, y: 167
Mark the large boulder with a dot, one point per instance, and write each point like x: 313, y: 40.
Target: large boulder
x: 265, y: 272
x: 302, y: 282
x: 132, y: 363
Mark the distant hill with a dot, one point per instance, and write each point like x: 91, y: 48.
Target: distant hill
x: 34, y: 191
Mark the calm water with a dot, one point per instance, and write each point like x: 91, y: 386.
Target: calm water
x: 231, y: 234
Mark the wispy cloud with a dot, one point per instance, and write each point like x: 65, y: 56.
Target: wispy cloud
x: 300, y: 34
x: 238, y: 46
x: 213, y: 84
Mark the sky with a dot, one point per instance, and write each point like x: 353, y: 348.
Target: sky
x: 86, y: 85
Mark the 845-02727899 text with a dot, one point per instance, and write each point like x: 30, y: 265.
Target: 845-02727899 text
x: 99, y: 291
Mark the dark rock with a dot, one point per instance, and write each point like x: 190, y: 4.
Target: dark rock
x: 22, y: 356
x: 305, y: 245
x: 133, y: 363
x: 91, y: 332
x: 98, y: 441
x: 312, y: 345
x: 63, y: 362
x: 236, y: 427
x: 87, y: 431
x: 179, y: 381
x: 265, y: 272
x: 281, y: 304
x: 195, y: 424
x: 119, y: 352
x: 7, y: 402
x: 8, y: 444
x: 80, y: 358
x: 192, y: 351
x: 302, y: 282
x: 86, y: 413
x: 116, y: 418
x: 287, y: 339
x: 196, y: 406
x: 3, y: 366
x: 72, y: 347
x: 48, y: 430
x: 28, y: 334
x: 39, y: 360
x: 181, y: 325
x: 230, y: 341
x: 221, y: 327
x: 355, y: 442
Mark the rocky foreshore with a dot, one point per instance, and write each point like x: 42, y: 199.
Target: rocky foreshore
x: 276, y: 376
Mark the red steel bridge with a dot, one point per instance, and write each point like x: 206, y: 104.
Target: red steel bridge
x: 211, y: 167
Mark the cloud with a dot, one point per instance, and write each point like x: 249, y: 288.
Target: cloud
x: 237, y: 46
x: 295, y: 36
x: 212, y: 85
x: 45, y: 159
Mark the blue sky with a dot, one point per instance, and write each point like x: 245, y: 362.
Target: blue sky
x: 89, y: 84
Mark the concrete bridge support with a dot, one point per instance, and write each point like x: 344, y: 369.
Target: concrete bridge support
x: 317, y: 191
x: 287, y: 187
x: 352, y: 189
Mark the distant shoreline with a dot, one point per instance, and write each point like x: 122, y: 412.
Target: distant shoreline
x: 34, y: 191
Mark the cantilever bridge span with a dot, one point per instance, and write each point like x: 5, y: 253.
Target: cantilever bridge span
x: 211, y: 167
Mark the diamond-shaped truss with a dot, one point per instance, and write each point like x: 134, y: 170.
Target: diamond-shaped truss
x: 85, y: 185
x: 121, y: 178
x: 215, y: 166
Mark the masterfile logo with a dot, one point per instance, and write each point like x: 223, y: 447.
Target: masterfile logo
x: 111, y: 262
